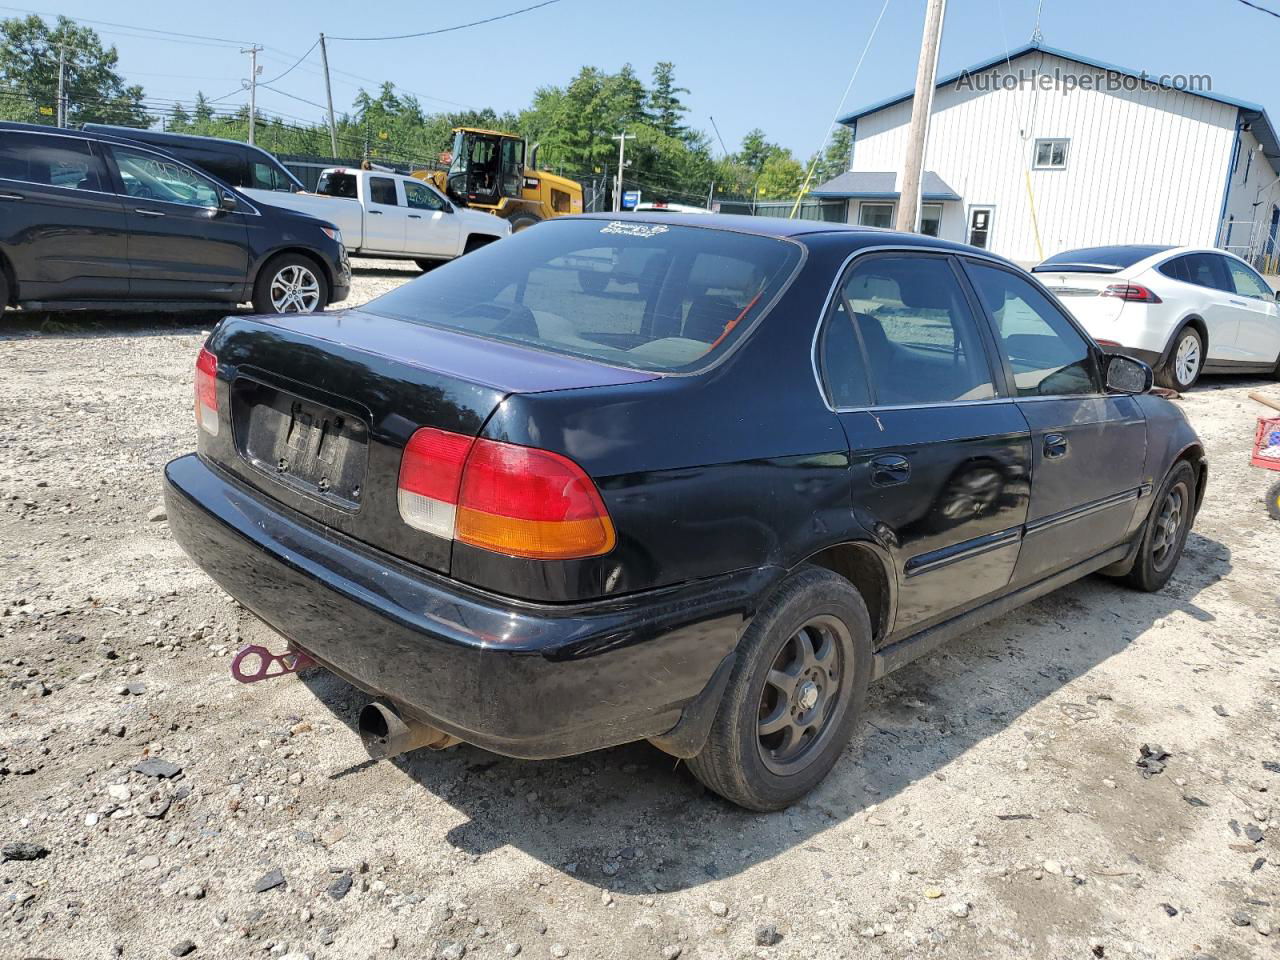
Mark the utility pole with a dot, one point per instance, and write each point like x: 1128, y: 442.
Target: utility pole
x: 711, y: 196
x: 622, y: 139
x: 62, y: 84
x: 254, y: 70
x: 921, y: 107
x: 328, y: 93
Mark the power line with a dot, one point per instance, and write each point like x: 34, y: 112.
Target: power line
x: 265, y: 83
x: 461, y: 26
x: 1260, y: 8
x: 127, y: 26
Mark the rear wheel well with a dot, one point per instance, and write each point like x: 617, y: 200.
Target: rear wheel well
x: 862, y: 567
x: 1200, y: 328
x: 477, y: 240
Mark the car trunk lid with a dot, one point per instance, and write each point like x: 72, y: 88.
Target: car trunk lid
x: 318, y: 409
x: 1083, y: 295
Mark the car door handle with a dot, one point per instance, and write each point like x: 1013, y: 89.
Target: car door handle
x: 148, y: 213
x: 375, y: 213
x: 890, y: 471
x: 415, y: 216
x: 1055, y: 446
x: 1238, y: 303
x: 12, y: 196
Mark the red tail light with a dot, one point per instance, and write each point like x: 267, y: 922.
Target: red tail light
x: 1131, y: 291
x: 207, y: 392
x: 503, y: 497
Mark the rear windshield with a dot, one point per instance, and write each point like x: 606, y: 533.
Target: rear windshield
x: 335, y: 184
x: 636, y: 294
x: 1099, y: 259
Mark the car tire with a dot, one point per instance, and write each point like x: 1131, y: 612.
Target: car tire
x: 524, y: 221
x: 1165, y: 533
x: 5, y: 292
x: 1273, y: 501
x: 269, y: 290
x: 1186, y: 361
x: 826, y: 682
x: 426, y: 266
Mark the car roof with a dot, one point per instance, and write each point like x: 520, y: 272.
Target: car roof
x: 89, y: 134
x: 165, y: 136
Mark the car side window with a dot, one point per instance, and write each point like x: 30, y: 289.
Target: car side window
x: 1247, y: 283
x: 383, y: 190
x: 50, y: 160
x: 1177, y: 269
x: 1048, y: 356
x: 843, y: 370
x: 421, y: 197
x: 913, y: 323
x: 267, y: 177
x: 1209, y: 270
x: 150, y: 176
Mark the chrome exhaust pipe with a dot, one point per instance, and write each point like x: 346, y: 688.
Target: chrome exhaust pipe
x: 386, y: 734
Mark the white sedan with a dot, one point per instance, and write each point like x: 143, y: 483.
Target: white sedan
x: 1184, y: 310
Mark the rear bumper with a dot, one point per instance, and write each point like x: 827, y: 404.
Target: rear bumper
x: 527, y: 680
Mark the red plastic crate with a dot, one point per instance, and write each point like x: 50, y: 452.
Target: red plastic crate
x: 1266, y: 444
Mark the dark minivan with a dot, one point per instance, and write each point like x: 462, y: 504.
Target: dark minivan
x: 240, y: 165
x: 95, y: 222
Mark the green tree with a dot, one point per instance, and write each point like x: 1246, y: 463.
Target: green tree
x: 664, y: 101
x: 95, y: 91
x: 178, y: 120
x: 834, y: 159
x: 781, y: 176
x: 203, y: 111
x: 755, y: 150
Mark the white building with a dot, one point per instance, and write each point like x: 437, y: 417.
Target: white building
x: 1044, y: 150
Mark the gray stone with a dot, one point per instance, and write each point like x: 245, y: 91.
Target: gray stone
x: 452, y: 951
x: 157, y: 513
x: 182, y: 948
x: 270, y: 880
x: 23, y: 851
x: 340, y: 887
x: 155, y: 767
x: 767, y: 935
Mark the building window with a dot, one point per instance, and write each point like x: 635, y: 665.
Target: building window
x: 1051, y: 154
x: 875, y: 214
x: 930, y: 219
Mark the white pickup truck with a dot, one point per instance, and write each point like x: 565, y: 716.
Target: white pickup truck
x: 392, y: 216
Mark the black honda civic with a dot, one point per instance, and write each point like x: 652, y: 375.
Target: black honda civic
x: 697, y: 483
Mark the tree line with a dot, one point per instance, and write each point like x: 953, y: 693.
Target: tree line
x: 574, y: 124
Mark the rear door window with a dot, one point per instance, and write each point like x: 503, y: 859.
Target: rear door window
x: 1203, y: 269
x: 1049, y: 357
x: 53, y: 161
x: 383, y: 190
x: 636, y: 294
x: 913, y: 323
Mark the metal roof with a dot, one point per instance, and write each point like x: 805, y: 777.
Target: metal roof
x: 882, y: 185
x: 1249, y: 112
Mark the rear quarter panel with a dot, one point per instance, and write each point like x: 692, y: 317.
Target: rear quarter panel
x: 738, y: 467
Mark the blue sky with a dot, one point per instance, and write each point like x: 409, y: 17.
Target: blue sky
x: 749, y: 63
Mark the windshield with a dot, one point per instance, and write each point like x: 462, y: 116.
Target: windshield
x: 630, y: 293
x: 1099, y: 259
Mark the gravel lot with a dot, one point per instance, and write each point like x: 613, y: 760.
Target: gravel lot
x: 991, y: 808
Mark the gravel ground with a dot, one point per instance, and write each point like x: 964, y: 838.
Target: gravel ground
x: 992, y: 806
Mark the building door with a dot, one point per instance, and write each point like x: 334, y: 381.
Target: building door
x: 980, y: 226
x: 1275, y: 226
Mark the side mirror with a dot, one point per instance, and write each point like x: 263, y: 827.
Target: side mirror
x: 1127, y: 375
x: 227, y: 201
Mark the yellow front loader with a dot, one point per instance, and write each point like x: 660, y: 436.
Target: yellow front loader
x: 487, y: 171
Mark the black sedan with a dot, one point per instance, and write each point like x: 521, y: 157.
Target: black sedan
x: 704, y: 502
